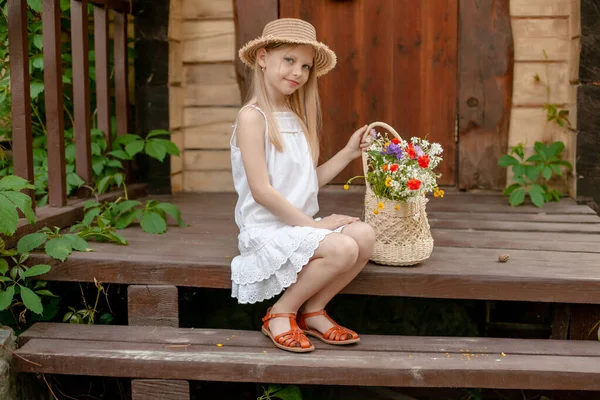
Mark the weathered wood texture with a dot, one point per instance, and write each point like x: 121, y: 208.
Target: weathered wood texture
x: 151, y: 305
x: 415, y: 91
x: 53, y: 101
x: 20, y: 94
x: 248, y: 357
x: 486, y: 54
x: 250, y: 19
x: 158, y: 389
x: 7, y: 375
x: 470, y: 232
x: 588, y: 138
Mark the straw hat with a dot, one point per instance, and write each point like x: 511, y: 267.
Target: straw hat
x: 294, y: 31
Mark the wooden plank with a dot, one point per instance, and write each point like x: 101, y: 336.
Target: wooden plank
x: 102, y: 71
x: 81, y: 90
x: 243, y: 338
x: 585, y: 322
x: 539, y: 8
x: 18, y: 48
x: 541, y: 28
x: 207, y: 160
x: 335, y: 366
x: 159, y: 389
x: 208, y: 181
x: 520, y: 226
x: 532, y: 49
x: 254, y: 16
x: 485, y: 92
x: 209, y: 9
x: 529, y: 92
x: 208, y: 41
x: 121, y: 72
x: 153, y: 305
x: 53, y: 96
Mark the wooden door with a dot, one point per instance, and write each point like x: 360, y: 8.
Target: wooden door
x: 397, y: 63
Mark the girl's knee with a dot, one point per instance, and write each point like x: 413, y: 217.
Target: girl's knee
x: 364, y: 235
x: 344, y: 252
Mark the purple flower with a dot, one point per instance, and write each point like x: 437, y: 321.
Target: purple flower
x: 393, y: 149
x: 419, y: 151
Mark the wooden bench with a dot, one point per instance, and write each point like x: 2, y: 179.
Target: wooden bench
x: 247, y: 356
x: 554, y: 258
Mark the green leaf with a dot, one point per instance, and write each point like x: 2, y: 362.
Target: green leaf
x: 153, y: 223
x: 565, y: 163
x: 127, y: 218
x: 556, y: 195
x: 5, y: 279
x: 555, y: 149
x: 38, y: 62
x: 120, y: 154
x: 156, y: 149
x: 98, y: 163
x: 532, y: 172
x: 517, y: 197
x: 9, y: 218
x: 45, y: 292
x: 157, y: 132
x: 537, y: 195
x: 126, y: 139
x: 35, y: 5
x: 14, y: 183
x: 38, y: 41
x: 91, y: 215
x: 114, y: 164
x: 534, y: 158
x: 58, y: 248
x: 518, y: 170
x: 556, y: 169
x: 30, y: 242
x: 36, y: 270
x: 3, y: 266
x: 65, y: 5
x: 35, y: 89
x: 105, y: 183
x: 31, y: 300
x: 173, y: 211
x: 6, y: 297
x: 106, y: 319
x: 289, y: 393
x: 547, y: 172
x: 540, y: 149
x: 23, y: 203
x: 96, y: 150
x: 134, y: 147
x: 511, y: 188
x: 90, y: 204
x: 171, y: 147
x: 77, y: 242
x: 119, y: 178
x: 507, y: 161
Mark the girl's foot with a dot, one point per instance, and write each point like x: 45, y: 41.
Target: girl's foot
x: 293, y: 339
x: 321, y: 326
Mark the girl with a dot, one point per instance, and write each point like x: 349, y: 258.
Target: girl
x: 274, y: 151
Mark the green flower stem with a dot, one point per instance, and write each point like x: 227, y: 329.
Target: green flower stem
x: 37, y: 114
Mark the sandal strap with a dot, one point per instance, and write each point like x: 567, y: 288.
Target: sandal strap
x: 337, y: 331
x: 292, y: 336
x: 314, y: 314
x: 280, y: 315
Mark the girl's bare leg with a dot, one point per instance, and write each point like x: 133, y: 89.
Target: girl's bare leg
x: 364, y: 236
x: 336, y: 254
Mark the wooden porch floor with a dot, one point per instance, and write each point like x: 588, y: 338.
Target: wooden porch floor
x: 554, y: 251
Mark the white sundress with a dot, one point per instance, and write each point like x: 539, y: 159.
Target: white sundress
x: 271, y: 252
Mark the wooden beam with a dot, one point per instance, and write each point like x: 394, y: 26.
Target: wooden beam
x: 53, y: 95
x: 486, y: 57
x: 102, y: 71
x: 81, y: 90
x: 18, y: 49
x: 159, y: 389
x: 153, y: 305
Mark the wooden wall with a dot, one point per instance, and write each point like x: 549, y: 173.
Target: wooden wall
x: 552, y: 26
x: 204, y: 94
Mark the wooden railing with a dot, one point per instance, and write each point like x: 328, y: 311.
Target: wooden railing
x: 53, y: 86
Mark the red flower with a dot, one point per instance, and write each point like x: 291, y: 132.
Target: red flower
x: 394, y: 168
x: 412, y: 154
x: 424, y: 161
x: 396, y: 141
x: 414, y: 184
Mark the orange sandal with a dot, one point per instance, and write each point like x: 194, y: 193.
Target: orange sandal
x: 293, y: 340
x: 337, y: 334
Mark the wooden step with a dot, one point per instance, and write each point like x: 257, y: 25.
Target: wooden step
x: 248, y: 356
x: 470, y: 232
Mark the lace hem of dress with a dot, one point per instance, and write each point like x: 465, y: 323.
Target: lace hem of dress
x: 283, y: 276
x: 259, y: 260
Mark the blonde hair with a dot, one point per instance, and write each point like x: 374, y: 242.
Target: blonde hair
x: 304, y: 102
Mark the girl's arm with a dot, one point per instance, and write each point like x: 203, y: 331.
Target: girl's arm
x: 329, y: 170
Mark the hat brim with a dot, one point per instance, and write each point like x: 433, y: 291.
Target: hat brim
x: 325, y: 58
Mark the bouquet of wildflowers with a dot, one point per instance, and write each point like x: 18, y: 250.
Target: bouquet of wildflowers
x: 400, y: 170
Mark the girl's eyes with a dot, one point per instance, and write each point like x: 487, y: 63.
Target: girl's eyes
x: 291, y: 61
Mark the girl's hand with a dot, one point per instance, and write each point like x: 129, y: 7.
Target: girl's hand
x: 356, y: 145
x: 334, y: 221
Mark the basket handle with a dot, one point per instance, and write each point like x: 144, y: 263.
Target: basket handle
x: 368, y: 132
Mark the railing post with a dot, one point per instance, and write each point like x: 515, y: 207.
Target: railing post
x: 19, y: 80
x: 81, y: 89
x: 102, y: 70
x: 53, y: 95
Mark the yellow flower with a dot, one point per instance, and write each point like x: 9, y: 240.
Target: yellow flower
x: 375, y: 211
x: 387, y: 144
x: 437, y: 192
x: 397, y: 206
x: 388, y: 181
x: 346, y: 187
x: 380, y: 205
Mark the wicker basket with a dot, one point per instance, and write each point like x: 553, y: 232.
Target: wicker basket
x: 403, y: 236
